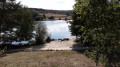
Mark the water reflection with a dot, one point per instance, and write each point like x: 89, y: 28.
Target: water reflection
x: 58, y: 29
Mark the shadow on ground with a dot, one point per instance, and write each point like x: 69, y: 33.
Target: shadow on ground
x: 81, y: 48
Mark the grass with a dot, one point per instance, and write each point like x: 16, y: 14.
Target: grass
x: 46, y: 59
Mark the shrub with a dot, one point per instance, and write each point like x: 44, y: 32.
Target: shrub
x: 77, y: 40
x: 51, y: 17
x: 41, y: 33
x: 48, y: 39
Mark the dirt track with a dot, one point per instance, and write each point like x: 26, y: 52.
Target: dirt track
x: 58, y: 45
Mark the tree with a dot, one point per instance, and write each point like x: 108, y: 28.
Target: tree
x: 41, y: 32
x: 48, y: 39
x: 7, y: 10
x: 26, y: 24
x: 97, y: 23
x: 16, y: 22
x: 44, y: 17
x: 37, y: 16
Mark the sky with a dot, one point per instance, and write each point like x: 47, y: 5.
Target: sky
x: 49, y: 4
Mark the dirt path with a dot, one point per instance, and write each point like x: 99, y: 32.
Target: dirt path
x: 58, y: 45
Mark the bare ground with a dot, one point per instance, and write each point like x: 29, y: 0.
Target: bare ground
x: 59, y: 45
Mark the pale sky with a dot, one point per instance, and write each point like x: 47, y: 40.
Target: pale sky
x: 49, y: 4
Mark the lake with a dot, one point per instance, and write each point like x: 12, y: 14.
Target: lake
x: 58, y: 29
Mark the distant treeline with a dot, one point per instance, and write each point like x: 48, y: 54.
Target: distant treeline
x: 67, y: 12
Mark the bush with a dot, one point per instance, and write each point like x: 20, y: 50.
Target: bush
x: 48, y: 39
x: 66, y: 39
x: 52, y: 39
x: 52, y: 17
x: 59, y: 18
x: 41, y: 31
x: 77, y: 40
x: 32, y: 43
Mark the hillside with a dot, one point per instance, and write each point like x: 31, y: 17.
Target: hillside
x: 68, y: 12
x: 58, y: 14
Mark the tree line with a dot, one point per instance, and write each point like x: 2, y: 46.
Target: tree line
x: 67, y: 12
x: 96, y: 23
x: 37, y: 16
x: 40, y: 17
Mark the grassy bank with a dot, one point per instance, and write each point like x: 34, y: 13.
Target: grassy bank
x: 46, y: 59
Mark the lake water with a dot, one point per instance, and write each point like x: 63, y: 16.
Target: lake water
x: 58, y: 29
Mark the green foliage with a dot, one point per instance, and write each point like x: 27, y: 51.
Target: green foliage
x: 51, y: 17
x: 26, y: 24
x: 77, y: 40
x: 52, y: 39
x: 16, y: 24
x: 32, y: 43
x: 37, y: 16
x: 97, y: 23
x: 41, y: 31
x: 44, y: 16
x: 15, y: 16
x: 59, y: 18
x: 48, y: 39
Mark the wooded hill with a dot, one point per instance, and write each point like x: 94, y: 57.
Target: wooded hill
x: 67, y: 12
x: 57, y: 14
